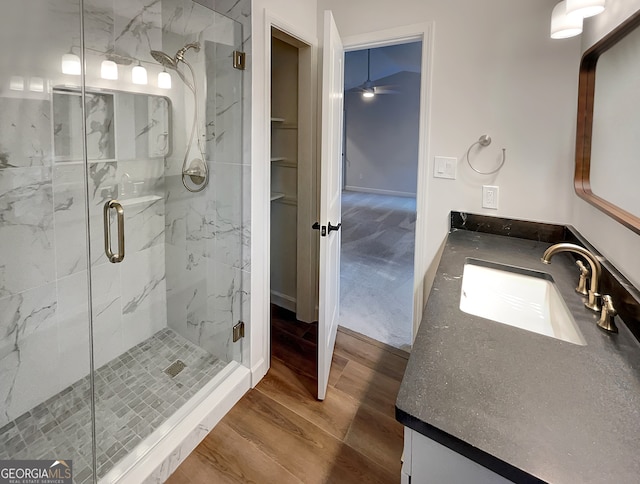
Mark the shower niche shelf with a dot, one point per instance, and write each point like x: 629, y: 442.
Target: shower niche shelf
x: 127, y: 202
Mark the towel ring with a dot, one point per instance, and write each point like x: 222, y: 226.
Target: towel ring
x: 485, y: 140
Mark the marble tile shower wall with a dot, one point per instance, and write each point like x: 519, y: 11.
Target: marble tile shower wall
x: 37, y: 292
x: 207, y: 236
x: 200, y: 291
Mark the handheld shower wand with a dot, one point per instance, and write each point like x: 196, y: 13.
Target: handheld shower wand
x: 197, y: 170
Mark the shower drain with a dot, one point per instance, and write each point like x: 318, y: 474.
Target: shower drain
x: 174, y: 368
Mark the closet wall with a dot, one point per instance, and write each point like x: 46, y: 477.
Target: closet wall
x: 284, y: 173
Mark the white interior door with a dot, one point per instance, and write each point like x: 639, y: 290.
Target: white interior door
x: 330, y: 193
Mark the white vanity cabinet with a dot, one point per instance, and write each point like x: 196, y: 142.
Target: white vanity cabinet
x: 425, y: 461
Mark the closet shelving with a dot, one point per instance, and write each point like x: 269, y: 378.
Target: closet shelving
x: 284, y: 141
x: 284, y: 173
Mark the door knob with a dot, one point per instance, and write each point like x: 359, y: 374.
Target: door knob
x: 334, y: 227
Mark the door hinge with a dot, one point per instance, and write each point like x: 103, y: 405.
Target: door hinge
x: 238, y: 331
x: 239, y: 60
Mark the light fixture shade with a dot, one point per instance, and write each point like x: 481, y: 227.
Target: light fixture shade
x: 585, y: 8
x: 562, y: 25
x: 368, y: 94
x: 164, y: 80
x: 139, y: 75
x: 109, y: 70
x: 36, y: 84
x: 71, y: 64
x: 16, y: 83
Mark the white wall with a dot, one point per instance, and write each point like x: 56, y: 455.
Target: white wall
x: 612, y: 239
x: 495, y: 71
x: 382, y: 137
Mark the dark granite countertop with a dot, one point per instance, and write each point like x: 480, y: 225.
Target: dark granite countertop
x: 530, y: 407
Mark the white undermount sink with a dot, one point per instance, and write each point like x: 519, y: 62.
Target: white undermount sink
x: 518, y: 297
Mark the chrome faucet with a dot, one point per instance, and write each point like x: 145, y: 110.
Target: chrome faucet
x: 596, y: 269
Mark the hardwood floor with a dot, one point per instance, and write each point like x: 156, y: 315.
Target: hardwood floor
x: 279, y: 433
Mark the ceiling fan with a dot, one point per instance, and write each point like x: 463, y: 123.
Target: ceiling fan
x: 368, y: 88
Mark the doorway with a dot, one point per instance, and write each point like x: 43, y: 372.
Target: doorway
x: 292, y: 243
x: 380, y: 172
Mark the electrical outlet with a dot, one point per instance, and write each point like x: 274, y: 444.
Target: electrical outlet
x: 490, y: 197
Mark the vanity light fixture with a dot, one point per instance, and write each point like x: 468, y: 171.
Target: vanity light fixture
x: 564, y: 26
x: 139, y: 74
x: 109, y: 70
x: 585, y: 8
x: 16, y: 83
x: 36, y: 84
x: 164, y: 80
x: 71, y: 64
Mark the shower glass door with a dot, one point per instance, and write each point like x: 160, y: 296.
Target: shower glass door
x: 45, y: 381
x: 166, y: 213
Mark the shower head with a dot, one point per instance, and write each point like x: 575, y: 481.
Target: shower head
x: 164, y: 59
x: 172, y: 62
x: 180, y: 54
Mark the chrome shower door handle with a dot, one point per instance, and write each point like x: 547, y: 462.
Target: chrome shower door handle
x: 119, y: 255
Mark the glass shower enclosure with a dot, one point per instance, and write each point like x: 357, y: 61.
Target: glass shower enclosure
x: 122, y: 225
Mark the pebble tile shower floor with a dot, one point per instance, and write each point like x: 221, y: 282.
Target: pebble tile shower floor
x: 133, y: 397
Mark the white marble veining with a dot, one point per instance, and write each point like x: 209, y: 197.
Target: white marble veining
x: 148, y: 220
x: 137, y: 27
x: 232, y: 235
x: 227, y: 305
x: 26, y: 225
x: 142, y: 128
x: 29, y: 358
x: 69, y: 218
x: 224, y: 139
x: 99, y: 25
x: 25, y: 133
x: 68, y: 123
x: 107, y: 313
x: 143, y: 289
x: 73, y: 328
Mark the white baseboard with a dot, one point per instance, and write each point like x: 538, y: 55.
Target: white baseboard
x: 379, y: 191
x: 258, y: 371
x: 283, y: 300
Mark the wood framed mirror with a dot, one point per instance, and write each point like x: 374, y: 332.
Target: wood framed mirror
x: 607, y: 167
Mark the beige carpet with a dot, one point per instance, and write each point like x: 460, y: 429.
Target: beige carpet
x: 376, y: 267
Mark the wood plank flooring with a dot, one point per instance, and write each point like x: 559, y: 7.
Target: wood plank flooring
x: 279, y: 433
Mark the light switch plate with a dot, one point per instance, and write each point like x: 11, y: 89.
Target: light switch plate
x: 489, y: 196
x: 445, y: 167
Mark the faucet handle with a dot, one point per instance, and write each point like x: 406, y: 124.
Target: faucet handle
x: 606, y: 320
x: 584, y: 275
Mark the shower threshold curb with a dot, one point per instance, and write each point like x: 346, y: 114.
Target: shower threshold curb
x: 160, y: 454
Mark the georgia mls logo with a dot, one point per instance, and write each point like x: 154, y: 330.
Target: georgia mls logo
x: 36, y: 472
x: 62, y: 468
